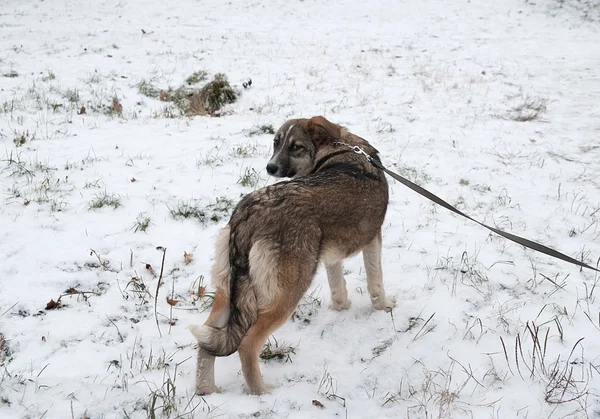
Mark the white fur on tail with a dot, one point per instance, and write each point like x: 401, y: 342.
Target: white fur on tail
x: 201, y: 333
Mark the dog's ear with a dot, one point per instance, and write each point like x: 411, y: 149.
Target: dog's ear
x: 322, y: 131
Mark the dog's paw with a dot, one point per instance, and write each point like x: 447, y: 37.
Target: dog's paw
x: 203, y: 390
x: 386, y: 303
x: 340, y: 305
x: 258, y: 390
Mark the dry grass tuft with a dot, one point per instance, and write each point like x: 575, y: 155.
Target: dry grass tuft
x: 529, y: 109
x: 5, y: 352
x: 191, y: 101
x: 277, y: 350
x: 212, y: 97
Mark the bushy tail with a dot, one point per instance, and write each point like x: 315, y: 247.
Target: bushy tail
x: 233, y: 312
x: 243, y: 312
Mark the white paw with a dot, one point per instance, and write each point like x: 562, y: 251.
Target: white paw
x: 260, y: 389
x: 385, y: 303
x: 204, y: 389
x: 340, y: 305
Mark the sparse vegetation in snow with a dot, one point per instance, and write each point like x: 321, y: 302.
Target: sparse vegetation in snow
x: 120, y: 142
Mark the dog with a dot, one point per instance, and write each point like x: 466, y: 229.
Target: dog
x: 266, y: 257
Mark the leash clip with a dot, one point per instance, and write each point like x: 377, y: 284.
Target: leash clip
x: 356, y: 149
x: 359, y: 150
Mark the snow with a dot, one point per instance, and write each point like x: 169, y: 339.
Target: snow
x: 432, y: 85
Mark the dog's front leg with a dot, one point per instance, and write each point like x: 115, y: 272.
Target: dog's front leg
x: 372, y: 259
x: 337, y: 286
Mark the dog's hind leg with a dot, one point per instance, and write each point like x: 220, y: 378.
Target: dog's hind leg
x: 337, y: 286
x: 372, y: 259
x: 292, y: 274
x: 293, y: 277
x: 256, y: 337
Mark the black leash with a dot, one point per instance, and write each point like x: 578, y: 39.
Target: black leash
x: 520, y: 240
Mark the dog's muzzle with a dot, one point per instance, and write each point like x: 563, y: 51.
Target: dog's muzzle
x: 272, y: 169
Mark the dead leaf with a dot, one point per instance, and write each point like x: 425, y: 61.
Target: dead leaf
x: 116, y: 106
x: 188, y: 257
x: 81, y: 110
x: 43, y: 338
x: 109, y: 56
x: 150, y: 269
x: 133, y: 179
x: 134, y: 320
x: 201, y: 291
x: 318, y: 404
x: 72, y: 291
x: 172, y: 302
x: 52, y: 305
x: 163, y: 96
x: 172, y: 322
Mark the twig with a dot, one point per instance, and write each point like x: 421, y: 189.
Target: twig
x: 74, y: 291
x: 162, y: 267
x: 517, y: 355
x: 468, y: 372
x: 573, y: 350
x: 422, y: 327
x: 562, y: 381
x: 171, y: 305
x: 52, y: 305
x: 591, y: 321
x: 534, y: 337
x: 42, y: 370
x: 521, y: 352
x: 394, y: 325
x: 506, y: 356
x: 545, y: 343
x: 10, y: 308
x: 102, y: 263
x: 116, y: 327
x: 534, y: 331
x: 132, y: 353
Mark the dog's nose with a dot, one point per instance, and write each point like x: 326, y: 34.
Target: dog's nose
x: 271, y: 169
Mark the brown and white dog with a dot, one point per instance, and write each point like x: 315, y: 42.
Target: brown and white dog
x: 267, y: 255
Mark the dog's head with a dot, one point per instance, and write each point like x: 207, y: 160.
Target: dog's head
x: 296, y: 144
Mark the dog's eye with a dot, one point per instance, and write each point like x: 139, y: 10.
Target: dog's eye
x: 296, y: 147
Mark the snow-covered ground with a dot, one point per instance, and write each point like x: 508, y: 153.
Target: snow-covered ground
x: 493, y: 105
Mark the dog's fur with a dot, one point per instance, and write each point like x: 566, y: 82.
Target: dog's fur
x: 267, y: 255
